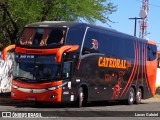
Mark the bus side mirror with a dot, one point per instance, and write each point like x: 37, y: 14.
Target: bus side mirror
x: 5, y: 51
x: 66, y: 48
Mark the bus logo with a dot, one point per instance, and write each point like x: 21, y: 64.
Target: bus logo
x: 112, y: 62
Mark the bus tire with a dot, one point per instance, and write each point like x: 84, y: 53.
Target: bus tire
x: 80, y: 97
x: 131, y: 96
x: 138, y: 96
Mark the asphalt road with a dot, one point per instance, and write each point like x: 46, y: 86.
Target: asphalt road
x: 148, y: 109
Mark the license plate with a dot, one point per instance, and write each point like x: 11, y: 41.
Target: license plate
x: 31, y: 98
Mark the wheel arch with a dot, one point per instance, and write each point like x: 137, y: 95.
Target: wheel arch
x: 136, y: 89
x: 81, y: 95
x: 85, y: 88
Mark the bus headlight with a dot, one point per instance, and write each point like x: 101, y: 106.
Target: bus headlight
x: 14, y: 86
x: 57, y: 87
x: 52, y: 88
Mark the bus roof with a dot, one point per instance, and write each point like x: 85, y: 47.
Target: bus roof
x: 65, y: 24
x: 75, y: 24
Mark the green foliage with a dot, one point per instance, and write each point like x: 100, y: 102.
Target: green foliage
x: 4, y: 43
x: 25, y: 11
x: 15, y: 14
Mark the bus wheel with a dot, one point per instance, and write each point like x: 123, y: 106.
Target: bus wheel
x: 138, y: 96
x: 131, y: 96
x: 80, y: 97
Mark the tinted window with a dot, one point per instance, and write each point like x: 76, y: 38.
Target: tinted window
x: 75, y: 36
x: 128, y: 48
x: 108, y: 43
x: 152, y: 50
x: 91, y: 43
x: 116, y: 45
x: 36, y: 37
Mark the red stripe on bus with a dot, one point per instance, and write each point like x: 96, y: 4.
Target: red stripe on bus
x: 136, y: 62
x: 133, y: 70
x: 36, y: 51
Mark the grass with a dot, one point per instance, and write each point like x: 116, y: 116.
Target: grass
x: 157, y: 96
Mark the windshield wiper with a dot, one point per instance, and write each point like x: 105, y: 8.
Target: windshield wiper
x: 24, y: 79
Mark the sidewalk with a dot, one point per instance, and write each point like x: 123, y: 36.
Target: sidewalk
x: 156, y: 98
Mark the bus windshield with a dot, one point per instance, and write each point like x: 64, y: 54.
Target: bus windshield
x: 36, y: 68
x: 42, y: 37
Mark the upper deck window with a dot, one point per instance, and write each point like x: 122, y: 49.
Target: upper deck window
x: 42, y: 37
x: 91, y: 43
x: 152, y: 50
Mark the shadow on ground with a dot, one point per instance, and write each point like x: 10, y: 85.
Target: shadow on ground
x: 6, y: 101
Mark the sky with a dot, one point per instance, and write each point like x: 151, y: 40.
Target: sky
x: 131, y: 8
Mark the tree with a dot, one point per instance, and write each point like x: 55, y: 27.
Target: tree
x: 15, y: 14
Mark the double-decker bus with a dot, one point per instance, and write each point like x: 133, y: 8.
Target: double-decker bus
x: 78, y: 62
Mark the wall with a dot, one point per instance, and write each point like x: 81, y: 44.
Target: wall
x: 6, y: 69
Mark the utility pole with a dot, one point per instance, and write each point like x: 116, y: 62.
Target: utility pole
x: 135, y: 24
x: 143, y: 23
x: 143, y: 20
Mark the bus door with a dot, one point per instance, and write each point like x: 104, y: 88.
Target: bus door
x: 66, y: 76
x: 67, y: 68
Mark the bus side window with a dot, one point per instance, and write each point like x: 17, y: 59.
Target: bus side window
x: 27, y: 36
x: 55, y: 37
x: 45, y: 37
x: 75, y: 36
x: 91, y: 42
x: 152, y: 50
x: 67, y: 69
x: 37, y: 39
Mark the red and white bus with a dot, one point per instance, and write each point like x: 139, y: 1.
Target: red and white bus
x: 78, y: 62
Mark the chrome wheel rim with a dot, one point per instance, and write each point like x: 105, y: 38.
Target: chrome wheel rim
x: 139, y: 96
